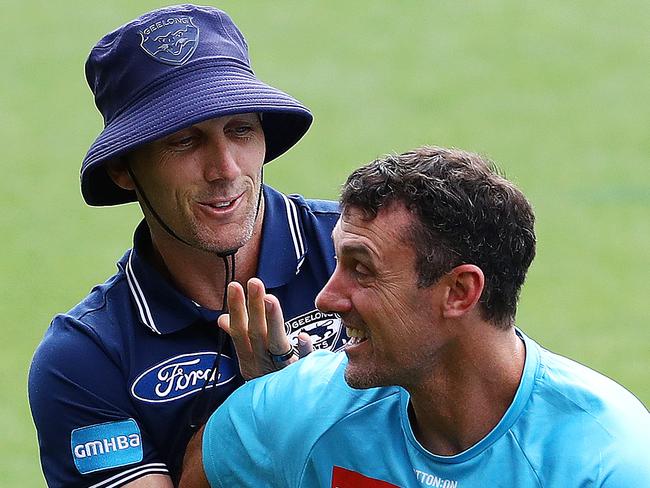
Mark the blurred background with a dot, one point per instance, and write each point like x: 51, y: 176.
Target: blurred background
x: 556, y: 92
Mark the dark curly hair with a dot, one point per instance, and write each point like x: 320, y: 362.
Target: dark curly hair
x: 467, y: 213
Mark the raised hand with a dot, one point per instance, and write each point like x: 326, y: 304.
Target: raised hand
x: 256, y: 325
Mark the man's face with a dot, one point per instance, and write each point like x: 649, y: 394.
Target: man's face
x: 392, y: 322
x: 204, y: 181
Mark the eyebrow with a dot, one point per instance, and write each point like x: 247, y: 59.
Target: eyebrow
x: 357, y: 250
x: 353, y: 248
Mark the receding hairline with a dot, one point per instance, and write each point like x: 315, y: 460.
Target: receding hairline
x: 403, y: 229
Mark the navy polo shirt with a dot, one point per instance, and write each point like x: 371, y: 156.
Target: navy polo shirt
x: 115, y: 380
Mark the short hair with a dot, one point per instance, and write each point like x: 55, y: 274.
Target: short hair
x: 466, y: 213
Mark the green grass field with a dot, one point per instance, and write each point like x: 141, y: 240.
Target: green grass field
x: 556, y: 92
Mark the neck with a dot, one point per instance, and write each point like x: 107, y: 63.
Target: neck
x: 468, y: 392
x: 198, y: 274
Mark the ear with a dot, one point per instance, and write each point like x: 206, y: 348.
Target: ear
x: 465, y: 285
x: 119, y: 173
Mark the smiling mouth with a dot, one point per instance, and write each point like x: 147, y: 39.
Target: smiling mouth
x: 223, y: 204
x: 357, y: 336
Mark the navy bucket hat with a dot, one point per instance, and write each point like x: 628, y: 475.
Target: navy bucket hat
x: 167, y: 70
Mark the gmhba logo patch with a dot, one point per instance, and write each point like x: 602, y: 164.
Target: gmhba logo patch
x: 107, y: 445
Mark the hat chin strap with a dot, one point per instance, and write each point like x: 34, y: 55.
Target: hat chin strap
x: 225, y: 255
x: 202, y: 406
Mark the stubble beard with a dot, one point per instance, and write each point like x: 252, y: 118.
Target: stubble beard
x: 389, y: 373
x: 363, y: 377
x: 362, y: 373
x: 207, y: 241
x: 219, y: 245
x: 361, y: 380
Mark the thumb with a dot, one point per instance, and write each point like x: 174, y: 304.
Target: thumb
x: 224, y: 323
x: 305, y: 344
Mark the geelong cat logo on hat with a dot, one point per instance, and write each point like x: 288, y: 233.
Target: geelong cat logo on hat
x: 171, y: 40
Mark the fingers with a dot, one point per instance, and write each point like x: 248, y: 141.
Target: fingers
x: 279, y: 343
x: 235, y: 324
x: 257, y: 325
x: 278, y: 340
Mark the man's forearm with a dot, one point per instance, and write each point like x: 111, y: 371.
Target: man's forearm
x: 193, y: 475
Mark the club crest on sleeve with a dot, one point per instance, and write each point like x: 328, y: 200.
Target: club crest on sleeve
x: 171, y: 40
x: 181, y: 376
x: 107, y: 445
x: 324, y: 329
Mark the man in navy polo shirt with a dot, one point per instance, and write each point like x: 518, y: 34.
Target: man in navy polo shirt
x: 121, y: 381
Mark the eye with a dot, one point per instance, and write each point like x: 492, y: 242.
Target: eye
x: 182, y: 140
x: 241, y: 130
x: 185, y: 141
x: 362, y: 272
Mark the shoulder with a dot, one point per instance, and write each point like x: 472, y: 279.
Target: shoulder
x: 318, y: 218
x: 274, y: 422
x: 90, y: 329
x: 597, y: 428
x: 106, y: 303
x: 302, y: 382
x: 314, y: 219
x: 316, y: 206
x: 317, y: 214
x: 318, y: 369
x: 572, y: 387
x: 294, y: 202
x: 302, y: 392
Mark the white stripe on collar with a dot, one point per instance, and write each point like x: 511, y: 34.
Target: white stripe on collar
x: 140, y: 301
x: 129, y: 474
x: 294, y: 227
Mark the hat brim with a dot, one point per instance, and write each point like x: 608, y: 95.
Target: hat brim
x: 199, y: 92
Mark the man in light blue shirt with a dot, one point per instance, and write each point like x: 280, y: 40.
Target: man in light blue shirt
x: 437, y: 387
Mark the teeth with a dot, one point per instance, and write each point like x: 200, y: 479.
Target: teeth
x: 355, y: 333
x: 222, y: 205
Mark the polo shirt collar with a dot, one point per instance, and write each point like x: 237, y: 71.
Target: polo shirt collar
x: 284, y: 246
x: 163, y: 309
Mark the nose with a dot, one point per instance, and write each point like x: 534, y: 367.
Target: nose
x: 221, y: 161
x: 334, y: 297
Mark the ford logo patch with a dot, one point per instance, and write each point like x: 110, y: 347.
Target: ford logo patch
x: 171, y: 40
x: 181, y: 376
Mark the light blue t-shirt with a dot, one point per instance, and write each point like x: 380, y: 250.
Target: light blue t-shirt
x: 568, y: 426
